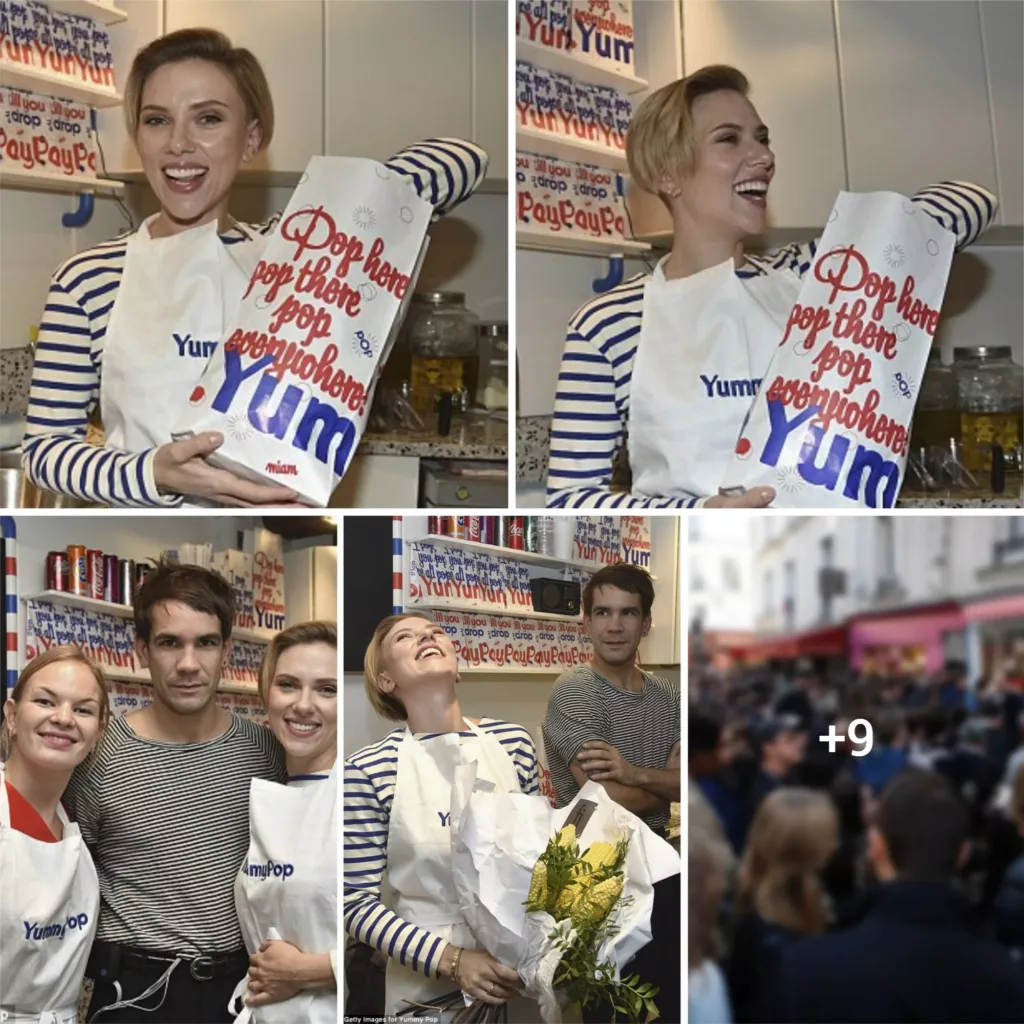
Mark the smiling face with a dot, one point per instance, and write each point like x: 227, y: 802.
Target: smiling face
x: 727, y: 189
x: 302, y: 705
x: 193, y: 136
x: 184, y: 656
x: 57, y: 721
x: 416, y: 653
x: 616, y: 624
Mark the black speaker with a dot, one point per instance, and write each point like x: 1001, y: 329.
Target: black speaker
x: 555, y: 596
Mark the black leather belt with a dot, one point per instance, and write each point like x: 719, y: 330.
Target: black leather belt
x: 106, y: 959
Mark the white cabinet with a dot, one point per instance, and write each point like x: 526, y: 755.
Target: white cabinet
x: 311, y: 580
x: 490, y: 84
x: 915, y: 98
x: 786, y: 49
x: 1002, y: 26
x: 145, y: 23
x: 397, y: 72
x: 286, y: 37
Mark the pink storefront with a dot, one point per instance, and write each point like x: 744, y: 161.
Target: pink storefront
x: 911, y: 641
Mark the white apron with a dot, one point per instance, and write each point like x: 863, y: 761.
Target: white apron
x: 295, y: 829
x: 420, y: 849
x: 176, y: 299
x: 705, y: 342
x: 50, y: 898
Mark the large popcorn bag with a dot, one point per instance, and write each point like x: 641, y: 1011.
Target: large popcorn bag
x: 291, y: 386
x: 830, y: 425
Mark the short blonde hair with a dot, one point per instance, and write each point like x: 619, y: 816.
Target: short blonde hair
x: 385, y: 704
x: 207, y: 44
x: 65, y: 652
x: 660, y: 139
x: 293, y: 636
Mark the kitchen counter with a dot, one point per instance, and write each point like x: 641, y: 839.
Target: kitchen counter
x: 471, y: 437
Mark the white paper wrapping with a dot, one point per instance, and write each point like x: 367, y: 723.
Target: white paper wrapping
x: 497, y: 838
x: 290, y: 387
x: 831, y: 423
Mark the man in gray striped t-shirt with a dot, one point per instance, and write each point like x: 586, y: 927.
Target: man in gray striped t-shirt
x: 164, y: 808
x: 610, y: 721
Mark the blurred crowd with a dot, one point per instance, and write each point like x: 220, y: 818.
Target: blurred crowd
x: 849, y: 885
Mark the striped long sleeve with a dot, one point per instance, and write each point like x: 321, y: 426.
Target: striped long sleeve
x: 67, y: 374
x: 591, y: 415
x: 370, y: 780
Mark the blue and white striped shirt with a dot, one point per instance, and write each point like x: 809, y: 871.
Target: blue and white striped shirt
x: 370, y: 777
x: 69, y: 357
x: 591, y: 417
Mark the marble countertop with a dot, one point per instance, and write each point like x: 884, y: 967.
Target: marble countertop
x: 471, y: 437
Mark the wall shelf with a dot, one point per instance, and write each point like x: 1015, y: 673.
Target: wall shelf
x: 567, y: 64
x: 508, y: 613
x: 49, y: 83
x: 547, y: 241
x: 502, y: 552
x: 44, y: 181
x: 90, y: 9
x: 533, y: 140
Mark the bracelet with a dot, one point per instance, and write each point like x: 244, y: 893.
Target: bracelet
x: 454, y: 969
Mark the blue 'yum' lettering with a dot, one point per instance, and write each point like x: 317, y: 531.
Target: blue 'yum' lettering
x: 740, y: 387
x: 187, y: 346
x: 35, y: 932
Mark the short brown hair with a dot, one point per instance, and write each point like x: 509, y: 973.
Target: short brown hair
x: 630, y: 578
x: 385, y: 704
x: 293, y: 636
x: 65, y: 652
x: 207, y: 44
x: 660, y: 139
x: 202, y: 590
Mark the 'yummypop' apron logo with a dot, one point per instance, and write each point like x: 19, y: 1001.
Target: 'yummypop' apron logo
x: 36, y: 932
x: 268, y: 870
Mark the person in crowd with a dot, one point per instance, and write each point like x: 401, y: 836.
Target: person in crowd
x: 164, y: 807
x: 782, y: 742
x: 951, y: 685
x: 610, y: 721
x: 888, y: 755
x: 780, y: 897
x: 289, y: 919
x: 149, y: 305
x: 397, y: 803
x: 54, y: 719
x: 1008, y: 907
x: 710, y: 863
x: 708, y: 746
x: 634, y: 422
x: 917, y: 954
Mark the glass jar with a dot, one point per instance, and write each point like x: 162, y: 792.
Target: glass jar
x: 492, y: 388
x: 933, y: 458
x: 442, y: 340
x: 990, y: 389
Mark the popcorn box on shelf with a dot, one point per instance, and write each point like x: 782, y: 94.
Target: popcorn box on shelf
x: 291, y: 386
x: 102, y: 56
x: 63, y: 58
x: 602, y: 34
x: 94, y: 637
x: 604, y: 108
x: 266, y: 551
x: 42, y: 32
x: 585, y: 126
x: 18, y: 45
x: 599, y: 206
x: 545, y: 100
x: 526, y: 102
x: 830, y: 425
x: 565, y: 102
x: 63, y: 627
x: 545, y: 22
x: 236, y: 568
x: 542, y: 195
x: 635, y: 541
x: 40, y: 628
x: 623, y: 115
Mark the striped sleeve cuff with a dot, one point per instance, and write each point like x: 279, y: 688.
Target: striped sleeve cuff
x: 445, y: 172
x: 961, y: 207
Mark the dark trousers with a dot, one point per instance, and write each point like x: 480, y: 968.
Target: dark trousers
x: 187, y: 1001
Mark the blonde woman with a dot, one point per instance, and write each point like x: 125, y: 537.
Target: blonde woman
x: 780, y: 897
x: 397, y: 806
x: 49, y: 893
x: 662, y: 370
x: 286, y: 893
x: 151, y: 306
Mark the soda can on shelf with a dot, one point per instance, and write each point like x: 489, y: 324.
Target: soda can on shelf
x: 530, y: 533
x: 112, y: 579
x: 487, y: 529
x: 78, y: 576
x: 126, y: 569
x: 515, y: 533
x: 94, y: 573
x: 458, y: 527
x: 57, y: 570
x: 473, y: 528
x: 434, y: 526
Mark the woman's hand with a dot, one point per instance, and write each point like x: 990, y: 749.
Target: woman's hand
x: 279, y: 971
x: 756, y: 497
x: 484, y: 978
x: 181, y: 468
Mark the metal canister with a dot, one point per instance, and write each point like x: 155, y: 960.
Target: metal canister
x: 94, y: 573
x: 458, y: 527
x: 474, y: 529
x: 112, y: 579
x: 515, y: 533
x: 501, y: 531
x: 543, y: 534
x: 57, y: 570
x: 78, y: 578
x: 126, y: 570
x: 530, y: 533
